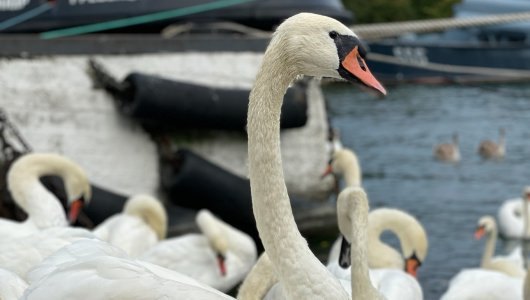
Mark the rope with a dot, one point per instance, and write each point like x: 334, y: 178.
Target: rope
x: 482, y: 71
x: 32, y: 13
x: 382, y: 30
x: 140, y: 19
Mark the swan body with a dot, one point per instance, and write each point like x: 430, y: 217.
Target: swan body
x: 11, y: 285
x: 448, y: 152
x: 92, y: 269
x: 43, y: 208
x: 513, y: 216
x: 480, y: 284
x: 490, y: 150
x: 139, y: 227
x: 220, y: 257
x: 22, y: 254
x: 305, y: 44
x: 487, y: 226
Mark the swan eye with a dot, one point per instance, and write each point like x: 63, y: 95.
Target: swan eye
x: 333, y: 34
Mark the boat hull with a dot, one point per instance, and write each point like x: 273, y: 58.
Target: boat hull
x: 401, y: 61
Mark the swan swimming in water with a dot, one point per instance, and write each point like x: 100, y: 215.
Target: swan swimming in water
x: 488, y: 227
x: 514, y: 216
x: 488, y: 149
x: 448, y: 152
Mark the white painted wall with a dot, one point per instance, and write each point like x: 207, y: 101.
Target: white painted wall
x: 53, y: 103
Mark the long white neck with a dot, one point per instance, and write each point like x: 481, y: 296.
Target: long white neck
x: 361, y: 285
x: 397, y: 222
x: 352, y: 175
x: 489, y: 248
x: 42, y: 207
x: 287, y: 249
x: 526, y: 222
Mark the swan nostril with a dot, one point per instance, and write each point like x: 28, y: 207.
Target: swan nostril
x: 361, y: 63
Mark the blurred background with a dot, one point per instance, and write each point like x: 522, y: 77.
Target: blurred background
x: 150, y: 96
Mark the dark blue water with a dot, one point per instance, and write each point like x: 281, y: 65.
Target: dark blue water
x: 394, y: 138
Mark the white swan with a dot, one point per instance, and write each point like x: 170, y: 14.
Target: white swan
x: 449, y: 152
x: 19, y: 255
x: 352, y: 212
x: 141, y: 225
x: 43, y: 208
x: 487, y: 226
x: 305, y: 44
x: 93, y: 269
x: 490, y: 150
x: 410, y: 233
x: 11, y: 285
x: 513, y: 216
x: 220, y: 257
x: 480, y: 284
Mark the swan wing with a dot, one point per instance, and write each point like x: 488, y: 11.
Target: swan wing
x: 20, y: 255
x: 14, y: 230
x: 479, y: 284
x: 11, y: 285
x: 91, y: 269
x: 192, y: 255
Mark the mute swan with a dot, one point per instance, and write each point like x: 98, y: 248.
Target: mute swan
x: 11, y: 285
x: 352, y: 212
x: 19, y: 255
x: 514, y: 215
x: 43, y: 208
x: 139, y: 227
x: 487, y: 226
x: 449, y: 152
x: 305, y: 44
x: 410, y: 232
x: 220, y: 257
x: 411, y: 235
x: 93, y: 269
x: 490, y: 149
x: 345, y: 163
x: 480, y: 284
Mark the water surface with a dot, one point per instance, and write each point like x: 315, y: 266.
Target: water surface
x: 394, y: 138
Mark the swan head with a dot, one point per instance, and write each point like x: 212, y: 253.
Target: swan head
x: 211, y: 227
x: 351, y: 199
x: 150, y: 210
x: 341, y: 161
x: 486, y: 225
x: 78, y: 192
x: 320, y: 46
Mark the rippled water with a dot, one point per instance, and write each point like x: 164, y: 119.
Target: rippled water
x: 394, y: 138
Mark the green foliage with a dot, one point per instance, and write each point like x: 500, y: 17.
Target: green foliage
x: 376, y: 11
